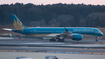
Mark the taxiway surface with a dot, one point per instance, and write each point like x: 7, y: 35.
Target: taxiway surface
x: 47, y: 43
x: 33, y: 55
x: 39, y: 44
x: 67, y: 41
x: 51, y: 49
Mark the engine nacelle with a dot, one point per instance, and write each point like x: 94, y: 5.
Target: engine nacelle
x: 77, y: 37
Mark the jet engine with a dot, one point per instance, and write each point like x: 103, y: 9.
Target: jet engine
x: 77, y: 37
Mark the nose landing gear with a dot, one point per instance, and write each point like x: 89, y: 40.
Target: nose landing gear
x: 96, y: 39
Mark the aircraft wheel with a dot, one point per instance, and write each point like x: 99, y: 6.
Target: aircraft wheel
x: 96, y: 40
x: 50, y: 39
x: 54, y: 39
x: 62, y: 40
x: 59, y: 40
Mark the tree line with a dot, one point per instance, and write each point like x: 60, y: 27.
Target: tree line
x: 58, y: 15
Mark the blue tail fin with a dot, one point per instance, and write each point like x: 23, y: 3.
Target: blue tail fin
x: 16, y: 22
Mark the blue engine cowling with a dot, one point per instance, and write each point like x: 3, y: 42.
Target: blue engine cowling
x: 77, y: 37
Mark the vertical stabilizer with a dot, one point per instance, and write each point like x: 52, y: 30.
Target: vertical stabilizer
x: 16, y: 22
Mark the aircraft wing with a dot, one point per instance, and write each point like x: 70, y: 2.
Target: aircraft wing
x: 68, y: 34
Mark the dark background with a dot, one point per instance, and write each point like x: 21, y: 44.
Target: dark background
x: 57, y: 15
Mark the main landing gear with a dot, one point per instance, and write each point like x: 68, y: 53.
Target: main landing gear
x: 52, y: 39
x: 60, y: 39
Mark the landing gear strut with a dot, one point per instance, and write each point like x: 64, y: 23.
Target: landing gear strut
x: 60, y: 39
x: 96, y: 39
x: 52, y: 39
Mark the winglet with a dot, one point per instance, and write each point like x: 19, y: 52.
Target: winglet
x: 16, y: 22
x: 66, y: 29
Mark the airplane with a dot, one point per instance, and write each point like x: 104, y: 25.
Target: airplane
x: 55, y: 33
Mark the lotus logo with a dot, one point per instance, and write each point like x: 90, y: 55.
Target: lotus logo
x: 18, y: 25
x: 92, y: 30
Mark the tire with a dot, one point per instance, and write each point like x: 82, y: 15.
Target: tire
x: 96, y: 40
x: 62, y: 40
x: 53, y: 39
x: 50, y: 39
x: 59, y: 40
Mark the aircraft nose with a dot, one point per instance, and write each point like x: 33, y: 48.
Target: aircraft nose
x: 101, y: 34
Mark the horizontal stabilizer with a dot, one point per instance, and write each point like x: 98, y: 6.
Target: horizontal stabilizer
x: 6, y: 29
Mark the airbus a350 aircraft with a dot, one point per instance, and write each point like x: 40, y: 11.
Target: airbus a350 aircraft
x: 56, y: 33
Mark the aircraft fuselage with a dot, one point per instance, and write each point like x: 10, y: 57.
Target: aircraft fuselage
x: 53, y: 31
